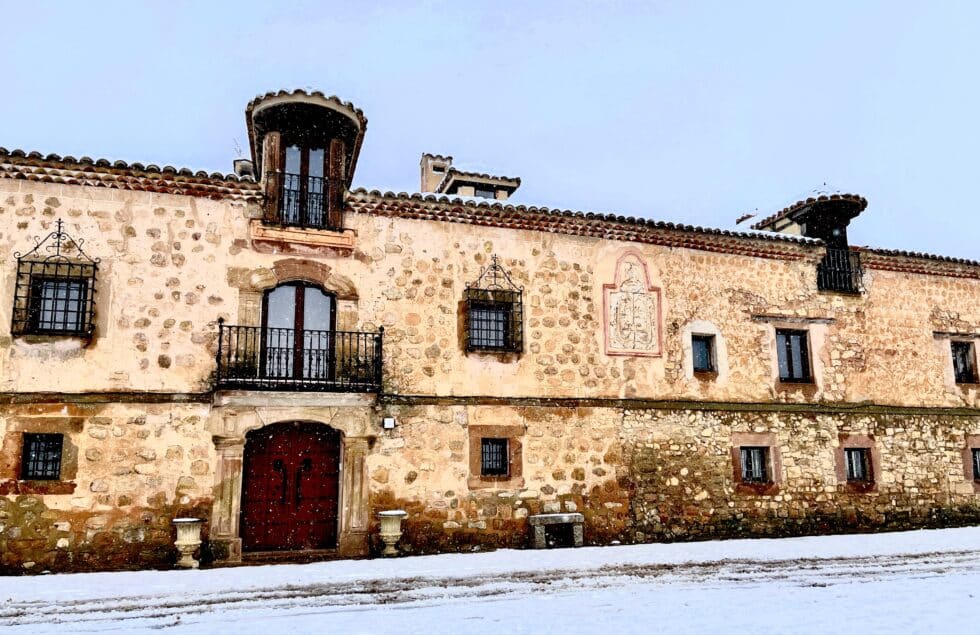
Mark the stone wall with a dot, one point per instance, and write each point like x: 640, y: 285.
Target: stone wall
x: 630, y: 437
x: 127, y: 471
x: 172, y: 265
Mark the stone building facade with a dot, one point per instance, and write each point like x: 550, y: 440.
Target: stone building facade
x: 284, y: 356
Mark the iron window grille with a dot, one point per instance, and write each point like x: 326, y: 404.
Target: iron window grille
x: 494, y: 314
x: 703, y: 352
x: 755, y: 465
x: 792, y: 351
x: 964, y: 362
x: 55, y: 289
x: 494, y: 460
x: 976, y: 464
x: 840, y: 270
x: 858, y: 464
x: 41, y: 460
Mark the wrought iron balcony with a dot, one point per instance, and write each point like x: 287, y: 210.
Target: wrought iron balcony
x: 840, y: 270
x: 297, y: 200
x: 262, y: 358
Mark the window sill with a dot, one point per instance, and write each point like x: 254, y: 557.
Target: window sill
x: 706, y: 375
x: 757, y: 489
x: 42, y: 337
x: 265, y: 235
x: 860, y: 487
x: 495, y: 482
x: 36, y: 487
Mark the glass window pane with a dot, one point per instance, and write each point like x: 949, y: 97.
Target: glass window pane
x: 488, y: 326
x: 494, y: 459
x: 702, y: 349
x: 293, y: 159
x: 316, y: 162
x: 976, y: 464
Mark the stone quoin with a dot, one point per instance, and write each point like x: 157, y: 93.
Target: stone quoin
x: 178, y: 344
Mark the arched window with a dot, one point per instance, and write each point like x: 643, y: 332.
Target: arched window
x: 298, y: 332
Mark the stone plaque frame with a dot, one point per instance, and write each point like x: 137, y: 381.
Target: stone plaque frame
x: 629, y: 286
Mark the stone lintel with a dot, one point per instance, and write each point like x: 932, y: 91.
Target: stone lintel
x: 283, y: 399
x: 259, y: 232
x: 555, y: 519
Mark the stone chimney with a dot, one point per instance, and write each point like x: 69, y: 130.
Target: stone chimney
x: 434, y: 167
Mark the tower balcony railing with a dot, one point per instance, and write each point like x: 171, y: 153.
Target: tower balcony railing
x: 840, y: 271
x: 266, y: 358
x: 302, y: 201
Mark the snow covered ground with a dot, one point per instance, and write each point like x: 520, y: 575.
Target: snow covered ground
x: 914, y: 582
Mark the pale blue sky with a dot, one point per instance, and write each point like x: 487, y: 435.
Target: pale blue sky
x: 689, y: 112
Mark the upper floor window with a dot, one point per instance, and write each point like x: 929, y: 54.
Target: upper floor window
x: 55, y: 289
x: 793, y: 355
x: 494, y: 312
x: 307, y: 188
x: 703, y: 353
x: 485, y: 192
x: 964, y: 362
x: 41, y: 457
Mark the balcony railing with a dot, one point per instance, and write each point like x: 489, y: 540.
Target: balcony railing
x: 840, y: 270
x: 264, y: 358
x: 302, y: 201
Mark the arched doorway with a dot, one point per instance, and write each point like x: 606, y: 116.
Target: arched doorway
x: 291, y: 487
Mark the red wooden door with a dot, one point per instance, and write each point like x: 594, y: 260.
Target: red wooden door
x: 291, y: 487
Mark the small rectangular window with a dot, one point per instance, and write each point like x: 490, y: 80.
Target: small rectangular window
x: 703, y: 353
x: 494, y: 457
x: 41, y: 458
x: 858, y: 462
x: 57, y: 306
x: 976, y: 464
x: 755, y: 465
x: 489, y: 326
x: 485, y: 193
x: 964, y: 362
x: 438, y: 169
x: 793, y: 355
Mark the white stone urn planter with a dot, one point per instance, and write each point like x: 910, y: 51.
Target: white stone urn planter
x: 188, y: 540
x: 391, y: 529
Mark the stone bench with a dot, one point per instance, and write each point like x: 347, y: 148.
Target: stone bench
x: 540, y: 521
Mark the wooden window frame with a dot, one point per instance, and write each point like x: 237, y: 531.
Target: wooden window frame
x: 711, y: 342
x: 848, y: 441
x: 514, y: 435
x: 971, y: 352
x: 972, y: 444
x: 766, y: 440
x: 785, y: 349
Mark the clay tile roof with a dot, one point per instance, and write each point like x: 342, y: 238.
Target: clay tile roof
x: 440, y: 157
x: 52, y: 168
x: 440, y: 207
x: 786, y: 211
x: 330, y: 101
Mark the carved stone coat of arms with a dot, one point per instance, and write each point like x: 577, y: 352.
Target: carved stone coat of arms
x: 632, y: 310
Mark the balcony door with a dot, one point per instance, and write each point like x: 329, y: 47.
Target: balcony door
x: 298, y: 333
x: 304, y: 186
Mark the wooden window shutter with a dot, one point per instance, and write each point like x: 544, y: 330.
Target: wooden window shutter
x: 337, y: 176
x: 272, y: 173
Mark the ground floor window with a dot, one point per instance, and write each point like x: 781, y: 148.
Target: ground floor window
x: 858, y: 465
x: 755, y: 465
x: 493, y: 457
x: 976, y: 464
x: 41, y: 459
